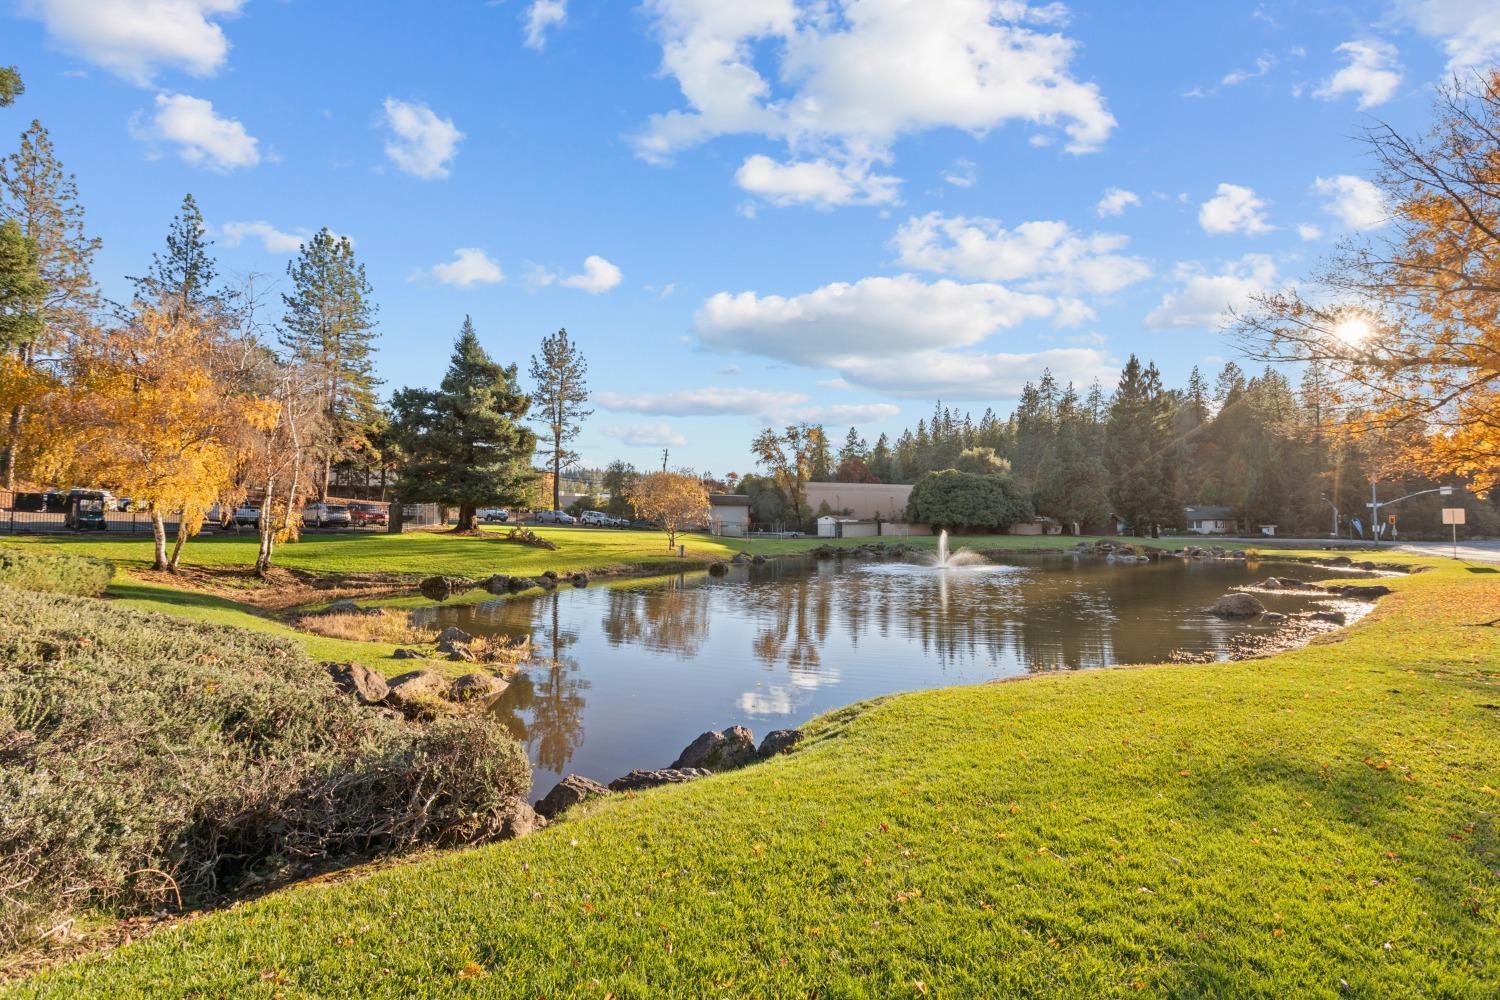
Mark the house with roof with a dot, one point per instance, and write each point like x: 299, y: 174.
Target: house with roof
x: 1208, y: 520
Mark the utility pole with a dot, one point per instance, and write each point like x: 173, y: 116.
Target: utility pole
x: 664, y: 454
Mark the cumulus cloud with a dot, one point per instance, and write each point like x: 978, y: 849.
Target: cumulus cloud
x: 1372, y: 72
x: 650, y: 435
x: 1354, y: 201
x: 469, y: 266
x: 1234, y: 209
x: 202, y: 137
x: 1204, y: 299
x: 846, y: 413
x: 542, y: 15
x: 1049, y: 256
x: 971, y: 375
x: 232, y: 234
x: 598, y: 276
x: 708, y: 401
x: 1115, y: 201
x: 421, y: 142
x: 1308, y: 231
x: 853, y: 77
x: 821, y: 183
x: 136, y: 38
x: 1469, y: 31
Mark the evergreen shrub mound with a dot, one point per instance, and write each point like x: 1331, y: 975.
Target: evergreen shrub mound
x: 54, y: 572
x: 955, y: 499
x: 146, y: 762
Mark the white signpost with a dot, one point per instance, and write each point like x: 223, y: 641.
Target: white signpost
x: 1455, y: 517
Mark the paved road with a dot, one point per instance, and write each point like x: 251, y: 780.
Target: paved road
x: 1467, y: 551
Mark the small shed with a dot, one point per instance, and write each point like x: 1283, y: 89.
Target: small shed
x: 729, y: 514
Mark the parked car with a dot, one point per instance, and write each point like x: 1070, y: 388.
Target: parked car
x: 640, y: 525
x: 494, y: 515
x: 326, y: 515
x: 247, y: 516
x: 596, y: 519
x: 554, y: 517
x: 86, y: 510
x: 368, y: 513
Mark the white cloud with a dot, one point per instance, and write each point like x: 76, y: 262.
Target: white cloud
x: 1372, y: 72
x: 134, y: 38
x: 202, y: 137
x: 598, y: 276
x: 846, y: 78
x: 540, y: 16
x: 271, y: 238
x: 653, y: 435
x: 1205, y: 300
x: 1263, y: 65
x: 963, y: 375
x: 1044, y: 255
x: 872, y: 317
x: 422, y: 143
x: 820, y: 183
x: 710, y: 401
x: 1308, y: 231
x: 1468, y: 29
x: 469, y: 266
x: 846, y: 413
x: 1354, y: 201
x: 1234, y: 209
x: 1115, y: 201
x: 964, y: 173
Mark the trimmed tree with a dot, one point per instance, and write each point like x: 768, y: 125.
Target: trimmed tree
x: 954, y: 499
x: 465, y: 442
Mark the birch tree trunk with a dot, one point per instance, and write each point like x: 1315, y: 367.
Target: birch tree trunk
x: 159, y: 536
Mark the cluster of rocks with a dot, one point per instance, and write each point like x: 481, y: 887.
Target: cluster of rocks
x: 415, y: 694
x: 713, y: 751
x: 440, y: 588
x: 869, y: 550
x: 346, y: 606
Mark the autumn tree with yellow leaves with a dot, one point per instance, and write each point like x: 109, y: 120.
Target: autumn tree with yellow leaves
x: 1407, y: 319
x: 674, y: 500
x: 144, y: 411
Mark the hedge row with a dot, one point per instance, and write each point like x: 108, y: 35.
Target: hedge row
x: 54, y: 572
x: 147, y: 761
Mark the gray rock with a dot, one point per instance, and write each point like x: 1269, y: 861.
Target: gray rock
x: 457, y: 653
x: 500, y: 583
x: 1336, y: 617
x: 779, y: 741
x: 545, y: 582
x: 740, y: 558
x: 758, y: 560
x: 1364, y: 592
x: 474, y: 686
x: 368, y: 687
x: 406, y: 654
x: 579, y: 579
x: 718, y: 568
x: 520, y: 819
x: 454, y: 634
x: 343, y: 606
x: 569, y: 792
x: 734, y: 747
x: 1237, y: 605
x: 416, y: 687
x: 638, y: 779
x: 1272, y: 618
x: 436, y: 588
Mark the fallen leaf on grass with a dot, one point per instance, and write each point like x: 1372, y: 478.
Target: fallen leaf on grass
x: 472, y: 970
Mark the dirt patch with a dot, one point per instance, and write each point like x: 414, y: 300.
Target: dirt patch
x: 281, y: 589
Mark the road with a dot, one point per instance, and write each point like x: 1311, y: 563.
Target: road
x: 1474, y: 551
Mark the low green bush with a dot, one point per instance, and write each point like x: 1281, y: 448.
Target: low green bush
x: 54, y: 572
x: 954, y: 499
x: 145, y: 762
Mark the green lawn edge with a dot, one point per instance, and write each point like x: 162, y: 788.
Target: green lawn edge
x: 1319, y: 823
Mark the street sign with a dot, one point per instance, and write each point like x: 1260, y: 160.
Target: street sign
x: 1453, y: 515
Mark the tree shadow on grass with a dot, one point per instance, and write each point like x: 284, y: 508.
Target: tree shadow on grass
x: 126, y: 590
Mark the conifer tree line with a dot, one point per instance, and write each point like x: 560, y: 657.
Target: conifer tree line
x: 197, y: 394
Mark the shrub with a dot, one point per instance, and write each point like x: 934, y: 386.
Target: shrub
x: 954, y: 499
x: 384, y: 625
x: 146, y: 761
x: 54, y: 572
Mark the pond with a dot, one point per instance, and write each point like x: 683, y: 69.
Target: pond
x: 627, y: 673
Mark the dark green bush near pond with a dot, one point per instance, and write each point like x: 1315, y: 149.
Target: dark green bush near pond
x: 954, y: 499
x: 54, y: 572
x: 148, y: 762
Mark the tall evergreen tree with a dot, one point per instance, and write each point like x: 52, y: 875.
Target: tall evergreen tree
x: 180, y: 281
x: 21, y: 288
x: 561, y: 377
x: 1141, y: 456
x: 465, y: 443
x: 42, y: 200
x: 11, y: 86
x: 1072, y: 480
x: 854, y: 447
x: 330, y: 326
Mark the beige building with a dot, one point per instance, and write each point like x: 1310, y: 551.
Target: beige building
x: 861, y: 501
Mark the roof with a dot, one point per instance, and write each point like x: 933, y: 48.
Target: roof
x: 1211, y: 513
x: 729, y: 500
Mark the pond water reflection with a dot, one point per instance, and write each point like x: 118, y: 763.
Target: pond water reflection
x: 626, y: 674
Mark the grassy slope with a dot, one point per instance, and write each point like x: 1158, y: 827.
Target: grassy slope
x: 1264, y: 828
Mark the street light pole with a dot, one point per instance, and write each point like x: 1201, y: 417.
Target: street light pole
x: 1375, y: 506
x: 1335, y: 532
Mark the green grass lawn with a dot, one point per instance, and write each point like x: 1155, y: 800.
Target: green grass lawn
x: 1317, y: 824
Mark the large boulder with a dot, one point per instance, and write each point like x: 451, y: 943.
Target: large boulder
x: 718, y: 568
x: 471, y: 687
x: 438, y: 588
x: 569, y: 792
x: 1332, y: 617
x: 417, y: 687
x: 1363, y: 592
x: 719, y: 751
x: 368, y: 687
x: 498, y: 584
x: 638, y: 779
x: 407, y: 654
x: 779, y: 741
x: 454, y: 634
x: 1237, y: 605
x: 520, y: 819
x: 740, y: 558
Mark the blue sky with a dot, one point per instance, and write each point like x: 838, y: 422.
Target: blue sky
x: 759, y: 210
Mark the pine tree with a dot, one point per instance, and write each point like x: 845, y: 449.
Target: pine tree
x: 465, y: 442
x: 330, y: 326
x: 854, y: 447
x: 181, y: 280
x: 1142, y: 458
x: 21, y: 287
x: 560, y: 375
x: 11, y: 86
x: 1072, y: 481
x: 42, y: 200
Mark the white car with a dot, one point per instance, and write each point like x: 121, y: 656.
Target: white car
x: 596, y: 519
x: 326, y: 515
x: 494, y: 515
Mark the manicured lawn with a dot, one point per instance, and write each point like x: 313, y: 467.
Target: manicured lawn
x: 1318, y: 824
